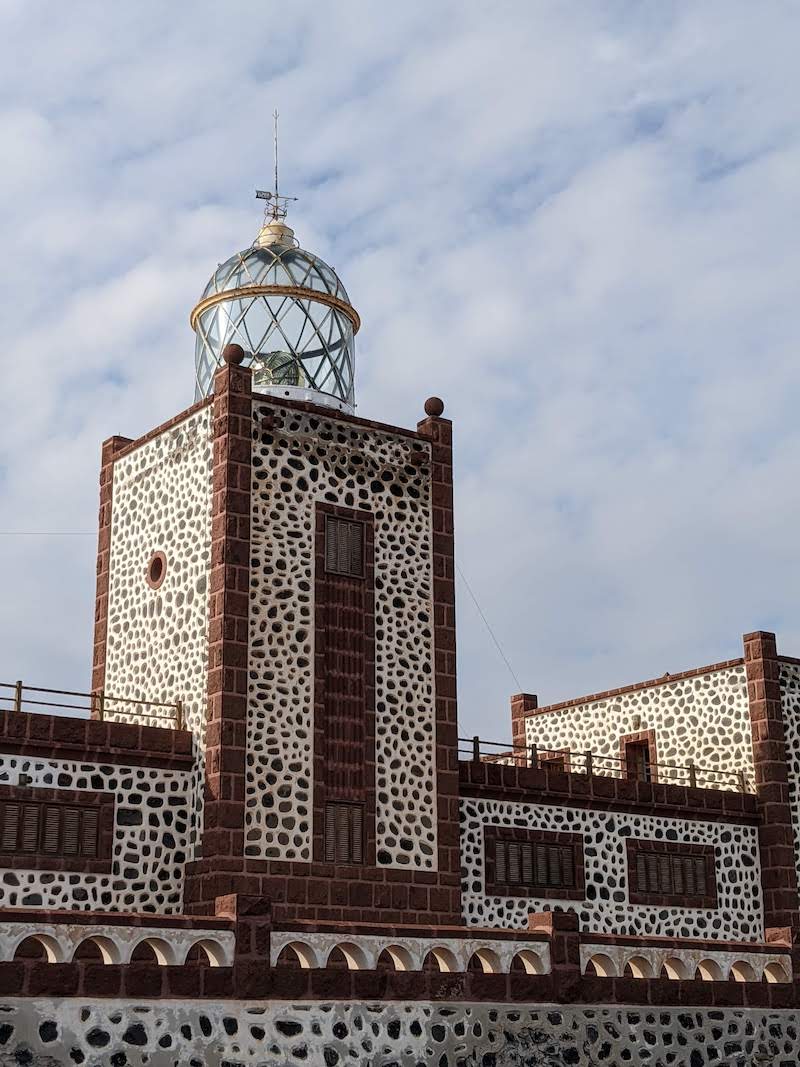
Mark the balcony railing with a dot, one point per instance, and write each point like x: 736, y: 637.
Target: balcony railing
x: 593, y: 763
x: 14, y: 696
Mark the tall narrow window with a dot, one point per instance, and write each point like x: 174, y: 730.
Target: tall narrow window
x: 344, y: 547
x: 344, y: 833
x: 638, y: 756
x: 637, y: 761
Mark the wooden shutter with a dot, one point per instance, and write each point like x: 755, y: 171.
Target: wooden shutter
x: 356, y: 549
x: 71, y: 831
x: 331, y: 544
x: 356, y: 833
x: 88, y: 833
x: 500, y: 864
x: 514, y: 866
x: 29, y: 837
x: 344, y: 833
x: 554, y: 867
x: 344, y: 547
x: 527, y: 863
x: 10, y: 827
x: 51, y: 831
x: 699, y: 866
x: 568, y: 868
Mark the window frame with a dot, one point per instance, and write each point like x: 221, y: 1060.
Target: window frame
x: 103, y: 803
x: 329, y: 812
x: 331, y: 519
x: 673, y: 849
x: 575, y: 842
x: 642, y: 738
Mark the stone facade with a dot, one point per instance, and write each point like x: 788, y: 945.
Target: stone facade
x: 237, y: 1034
x: 550, y: 905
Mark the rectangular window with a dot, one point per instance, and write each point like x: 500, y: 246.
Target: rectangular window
x: 663, y: 872
x: 344, y: 833
x: 60, y: 829
x: 638, y: 756
x: 637, y: 761
x: 557, y: 760
x: 534, y: 863
x: 344, y: 547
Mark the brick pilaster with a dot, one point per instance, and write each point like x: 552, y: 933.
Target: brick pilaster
x: 440, y: 433
x: 110, y: 448
x: 521, y: 705
x: 776, y: 832
x: 226, y: 727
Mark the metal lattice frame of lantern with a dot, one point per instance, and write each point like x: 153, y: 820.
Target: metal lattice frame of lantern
x: 290, y: 313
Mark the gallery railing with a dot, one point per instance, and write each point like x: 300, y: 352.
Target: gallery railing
x: 14, y: 696
x: 593, y: 763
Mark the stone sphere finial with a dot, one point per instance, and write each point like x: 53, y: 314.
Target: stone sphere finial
x: 233, y: 354
x: 434, y: 406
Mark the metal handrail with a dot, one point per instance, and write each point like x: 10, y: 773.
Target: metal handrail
x: 98, y: 703
x: 530, y: 756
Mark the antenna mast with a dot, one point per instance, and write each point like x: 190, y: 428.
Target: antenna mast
x: 277, y: 205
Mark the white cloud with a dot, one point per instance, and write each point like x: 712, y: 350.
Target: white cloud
x: 577, y: 223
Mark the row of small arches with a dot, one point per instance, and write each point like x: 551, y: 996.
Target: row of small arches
x: 708, y: 970
x: 100, y: 949
x: 439, y: 959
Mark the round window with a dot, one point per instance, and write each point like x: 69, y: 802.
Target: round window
x: 156, y: 569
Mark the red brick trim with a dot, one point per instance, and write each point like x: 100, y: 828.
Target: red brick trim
x: 156, y: 570
x: 229, y: 609
x: 770, y: 763
x: 551, y: 758
x: 132, y: 444
x: 110, y: 451
x: 642, y: 735
x: 594, y: 698
x: 299, y: 890
x: 53, y: 737
x: 39, y: 861
x: 251, y: 979
x: 51, y: 916
x: 683, y: 943
x: 522, y: 705
x: 524, y: 785
x: 304, y: 927
x: 352, y: 601
x: 493, y: 834
x: 440, y: 433
x: 634, y: 848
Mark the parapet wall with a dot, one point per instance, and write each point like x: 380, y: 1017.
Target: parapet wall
x: 699, y: 716
x: 139, y: 777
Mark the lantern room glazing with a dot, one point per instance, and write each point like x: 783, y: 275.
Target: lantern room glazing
x: 290, y: 313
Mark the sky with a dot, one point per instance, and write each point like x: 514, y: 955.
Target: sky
x: 577, y: 223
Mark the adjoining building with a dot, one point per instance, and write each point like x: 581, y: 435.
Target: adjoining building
x: 267, y: 843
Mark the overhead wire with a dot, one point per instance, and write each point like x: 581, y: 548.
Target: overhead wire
x: 486, y: 623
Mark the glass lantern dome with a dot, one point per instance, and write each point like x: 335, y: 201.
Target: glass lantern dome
x: 291, y: 315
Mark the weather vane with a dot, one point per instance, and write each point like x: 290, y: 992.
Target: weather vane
x: 277, y: 205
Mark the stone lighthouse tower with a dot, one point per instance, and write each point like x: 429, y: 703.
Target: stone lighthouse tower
x: 285, y: 568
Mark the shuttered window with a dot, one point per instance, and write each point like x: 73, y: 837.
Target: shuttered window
x: 48, y: 829
x: 530, y: 865
x: 671, y: 876
x: 344, y: 547
x: 344, y: 833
